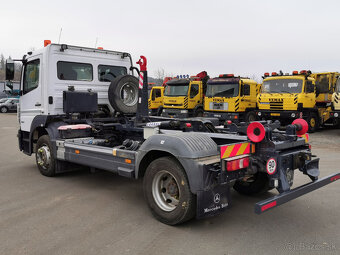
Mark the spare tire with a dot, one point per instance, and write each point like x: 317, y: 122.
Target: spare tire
x: 123, y: 94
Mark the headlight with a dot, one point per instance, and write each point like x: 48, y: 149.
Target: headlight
x: 184, y: 111
x: 336, y: 115
x: 293, y: 115
x: 259, y: 113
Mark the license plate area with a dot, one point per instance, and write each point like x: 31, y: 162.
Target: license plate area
x: 219, y: 106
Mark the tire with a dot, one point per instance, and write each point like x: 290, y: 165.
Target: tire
x: 44, y: 156
x: 259, y: 185
x: 250, y: 116
x: 199, y: 112
x: 4, y: 109
x: 124, y: 85
x: 159, y: 111
x: 313, y: 122
x: 164, y: 205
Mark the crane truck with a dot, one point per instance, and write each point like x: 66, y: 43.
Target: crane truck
x: 301, y: 94
x: 188, y: 166
x: 184, y: 97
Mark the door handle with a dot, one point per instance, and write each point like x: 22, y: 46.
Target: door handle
x: 37, y: 104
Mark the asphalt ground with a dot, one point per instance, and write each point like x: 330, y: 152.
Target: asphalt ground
x: 103, y: 213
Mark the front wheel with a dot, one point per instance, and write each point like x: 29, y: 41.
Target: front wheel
x: 313, y: 122
x: 167, y: 191
x: 44, y: 156
x: 3, y: 109
x: 199, y: 112
x: 250, y: 116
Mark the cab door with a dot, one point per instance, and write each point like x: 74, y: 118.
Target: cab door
x: 246, y: 101
x: 158, y: 97
x: 31, y: 100
x: 194, y: 95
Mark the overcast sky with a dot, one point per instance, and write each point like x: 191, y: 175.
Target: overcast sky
x: 186, y: 37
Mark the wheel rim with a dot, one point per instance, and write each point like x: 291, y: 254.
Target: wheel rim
x: 3, y: 110
x: 165, y: 191
x: 251, y: 118
x: 44, y: 156
x: 312, y: 122
x: 129, y: 94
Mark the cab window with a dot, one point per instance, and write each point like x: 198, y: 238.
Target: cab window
x: 31, y: 76
x: 194, y: 90
x: 74, y: 71
x: 109, y: 73
x: 156, y: 93
x: 246, y: 90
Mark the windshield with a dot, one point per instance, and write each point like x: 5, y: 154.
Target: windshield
x: 176, y: 90
x: 222, y: 90
x: 282, y: 86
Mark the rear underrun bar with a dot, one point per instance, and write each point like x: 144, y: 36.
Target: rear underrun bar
x: 285, y: 197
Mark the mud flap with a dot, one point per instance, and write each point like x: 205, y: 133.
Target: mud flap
x: 213, y: 201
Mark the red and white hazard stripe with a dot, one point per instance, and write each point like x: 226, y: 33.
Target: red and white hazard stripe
x: 141, y: 80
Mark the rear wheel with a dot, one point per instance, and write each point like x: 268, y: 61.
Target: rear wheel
x: 259, y: 183
x: 313, y: 122
x: 167, y: 191
x: 3, y: 109
x: 44, y: 156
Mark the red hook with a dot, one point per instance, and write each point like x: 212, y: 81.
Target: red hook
x: 142, y: 63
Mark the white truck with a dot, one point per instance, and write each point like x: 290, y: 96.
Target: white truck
x: 188, y: 166
x: 55, y: 68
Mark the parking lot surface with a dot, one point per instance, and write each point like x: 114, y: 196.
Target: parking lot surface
x: 102, y: 213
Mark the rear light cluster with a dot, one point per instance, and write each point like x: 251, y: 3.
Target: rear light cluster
x: 236, y: 164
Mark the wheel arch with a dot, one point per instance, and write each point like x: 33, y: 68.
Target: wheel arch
x: 187, y: 149
x: 149, y: 157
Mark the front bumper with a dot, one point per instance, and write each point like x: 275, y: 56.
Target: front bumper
x: 335, y: 114
x: 270, y: 114
x: 223, y: 116
x: 176, y: 113
x: 285, y: 197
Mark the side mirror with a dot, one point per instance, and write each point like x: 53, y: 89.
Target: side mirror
x: 9, y: 70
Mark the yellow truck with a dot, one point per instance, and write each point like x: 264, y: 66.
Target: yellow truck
x: 231, y: 98
x: 298, y: 95
x: 183, y: 97
x: 155, y: 101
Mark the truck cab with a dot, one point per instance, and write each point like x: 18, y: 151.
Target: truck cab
x: 155, y: 102
x: 299, y: 95
x: 184, y: 97
x: 58, y: 67
x: 231, y: 98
